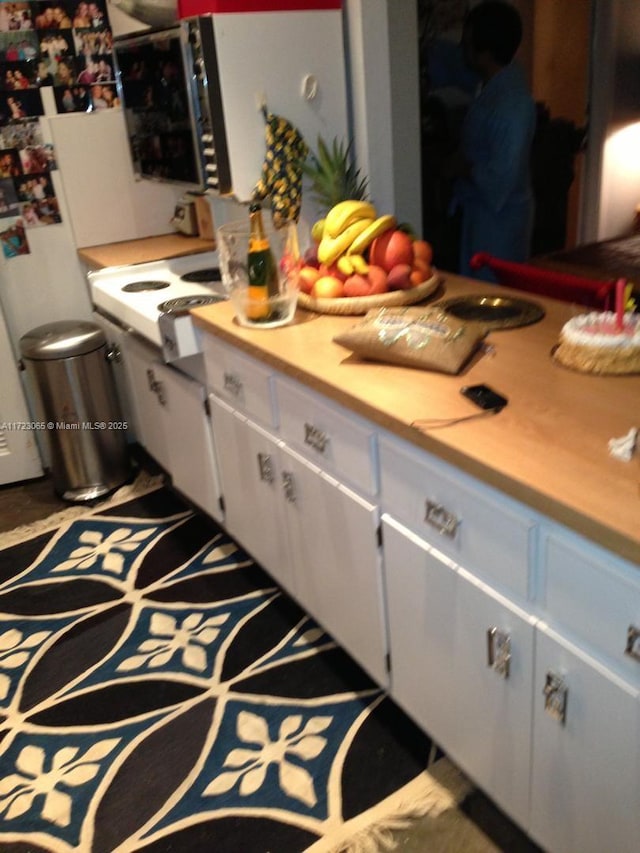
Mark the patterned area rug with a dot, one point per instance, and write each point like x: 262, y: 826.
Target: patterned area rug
x: 159, y: 693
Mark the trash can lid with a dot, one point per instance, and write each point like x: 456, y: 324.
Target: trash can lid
x: 63, y: 339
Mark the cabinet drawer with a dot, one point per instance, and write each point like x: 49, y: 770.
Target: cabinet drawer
x: 336, y: 440
x: 240, y: 380
x: 594, y: 596
x: 473, y: 524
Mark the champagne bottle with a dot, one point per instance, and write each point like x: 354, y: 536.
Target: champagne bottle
x: 262, y: 268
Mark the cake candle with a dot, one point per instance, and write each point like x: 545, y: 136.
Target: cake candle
x: 620, y: 293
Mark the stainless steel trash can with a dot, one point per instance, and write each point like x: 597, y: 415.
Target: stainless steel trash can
x: 71, y: 379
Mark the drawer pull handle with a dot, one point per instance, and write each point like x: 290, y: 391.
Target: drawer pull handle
x: 289, y: 486
x: 232, y: 384
x: 633, y: 642
x: 156, y: 387
x: 316, y: 438
x: 499, y: 651
x: 437, y: 516
x: 265, y: 466
x: 555, y: 697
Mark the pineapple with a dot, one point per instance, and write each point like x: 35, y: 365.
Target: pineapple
x: 334, y: 175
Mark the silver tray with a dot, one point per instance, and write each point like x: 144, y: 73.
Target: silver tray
x: 493, y: 312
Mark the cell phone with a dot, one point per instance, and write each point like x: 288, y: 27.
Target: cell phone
x: 484, y: 397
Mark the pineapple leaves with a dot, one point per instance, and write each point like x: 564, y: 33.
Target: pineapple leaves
x: 334, y: 175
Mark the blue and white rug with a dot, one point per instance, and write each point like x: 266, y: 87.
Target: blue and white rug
x: 158, y: 692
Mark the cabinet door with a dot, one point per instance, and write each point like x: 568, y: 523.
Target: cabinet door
x: 420, y: 591
x: 188, y: 439
x: 248, y: 459
x: 494, y: 654
x: 333, y: 539
x: 142, y: 365
x: 586, y: 771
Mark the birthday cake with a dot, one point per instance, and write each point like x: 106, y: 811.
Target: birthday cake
x: 601, y: 342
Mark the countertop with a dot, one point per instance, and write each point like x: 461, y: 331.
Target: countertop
x: 143, y: 250
x: 548, y: 448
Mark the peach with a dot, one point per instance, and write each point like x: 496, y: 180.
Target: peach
x: 399, y: 277
x: 357, y: 285
x: 332, y: 269
x: 377, y: 279
x: 328, y: 287
x: 390, y: 249
x: 307, y: 277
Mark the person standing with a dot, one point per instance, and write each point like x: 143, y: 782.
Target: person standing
x: 493, y: 186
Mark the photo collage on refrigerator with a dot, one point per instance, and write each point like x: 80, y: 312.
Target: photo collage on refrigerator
x: 67, y: 48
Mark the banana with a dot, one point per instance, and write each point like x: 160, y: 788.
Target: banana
x: 345, y: 265
x: 330, y: 249
x: 345, y: 213
x: 358, y: 263
x: 317, y: 230
x: 377, y: 227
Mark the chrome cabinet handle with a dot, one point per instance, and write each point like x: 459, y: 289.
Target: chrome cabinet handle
x: 265, y: 466
x: 316, y: 438
x: 289, y: 486
x: 232, y: 384
x: 555, y: 697
x: 499, y: 651
x: 632, y: 649
x: 441, y: 519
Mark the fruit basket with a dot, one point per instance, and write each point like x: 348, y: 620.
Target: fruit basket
x: 361, y: 304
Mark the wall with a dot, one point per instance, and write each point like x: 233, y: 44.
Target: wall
x: 382, y: 54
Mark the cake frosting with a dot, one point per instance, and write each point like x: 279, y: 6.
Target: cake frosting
x: 593, y: 343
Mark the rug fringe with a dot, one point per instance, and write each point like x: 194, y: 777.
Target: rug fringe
x: 142, y: 484
x: 435, y: 791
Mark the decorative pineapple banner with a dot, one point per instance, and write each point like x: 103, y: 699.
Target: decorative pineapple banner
x: 281, y: 178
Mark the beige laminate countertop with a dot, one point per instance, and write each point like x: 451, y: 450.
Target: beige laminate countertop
x: 548, y: 448
x: 143, y: 250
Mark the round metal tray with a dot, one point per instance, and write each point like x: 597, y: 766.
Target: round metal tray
x: 493, y: 312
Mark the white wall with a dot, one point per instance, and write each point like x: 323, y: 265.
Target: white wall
x: 382, y: 57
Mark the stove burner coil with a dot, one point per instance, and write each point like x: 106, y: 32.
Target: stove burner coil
x: 202, y: 276
x: 140, y: 286
x: 184, y: 303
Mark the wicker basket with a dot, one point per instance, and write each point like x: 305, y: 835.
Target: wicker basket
x: 362, y: 304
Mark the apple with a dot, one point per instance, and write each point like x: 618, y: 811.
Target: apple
x: 310, y: 257
x: 357, y: 285
x: 307, y: 277
x: 390, y: 249
x: 399, y: 277
x: 377, y: 279
x: 328, y: 287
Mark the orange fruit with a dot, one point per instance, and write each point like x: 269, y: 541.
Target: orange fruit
x: 423, y: 250
x: 328, y: 287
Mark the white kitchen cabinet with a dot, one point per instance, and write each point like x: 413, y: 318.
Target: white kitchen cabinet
x: 439, y: 620
x: 333, y: 540
x: 586, y: 769
x: 173, y: 425
x: 420, y: 589
x: 314, y: 536
x: 249, y: 464
x: 493, y: 661
x: 142, y: 363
